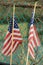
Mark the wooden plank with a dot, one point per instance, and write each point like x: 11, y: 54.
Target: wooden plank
x: 19, y: 5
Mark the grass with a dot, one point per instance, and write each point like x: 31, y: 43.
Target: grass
x: 18, y: 56
x: 3, y: 30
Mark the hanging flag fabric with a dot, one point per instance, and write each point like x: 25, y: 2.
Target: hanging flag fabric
x: 33, y: 38
x: 17, y: 38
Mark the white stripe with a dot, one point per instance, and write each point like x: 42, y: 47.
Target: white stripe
x: 31, y: 25
x: 15, y: 38
x: 15, y: 46
x: 36, y: 38
x: 33, y: 43
x: 31, y: 30
x: 18, y: 34
x: 6, y: 47
x: 34, y: 33
x: 16, y: 29
x: 7, y: 39
x: 7, y: 33
x: 31, y: 54
x: 30, y: 36
x: 8, y: 50
x: 31, y: 47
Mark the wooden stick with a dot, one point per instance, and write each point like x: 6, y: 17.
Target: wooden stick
x: 27, y: 63
x: 12, y: 35
x: 35, y: 7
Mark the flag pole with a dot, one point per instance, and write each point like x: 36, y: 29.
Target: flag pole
x: 27, y: 63
x: 12, y: 35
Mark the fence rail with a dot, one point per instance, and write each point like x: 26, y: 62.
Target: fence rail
x: 19, y: 5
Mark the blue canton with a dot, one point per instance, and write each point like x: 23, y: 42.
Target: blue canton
x: 32, y: 19
x: 11, y: 24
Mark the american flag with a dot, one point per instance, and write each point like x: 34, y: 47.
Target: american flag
x: 33, y: 38
x: 17, y: 38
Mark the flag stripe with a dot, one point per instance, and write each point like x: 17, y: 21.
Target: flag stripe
x: 18, y: 34
x: 14, y: 48
x: 7, y: 35
x: 17, y: 38
x: 33, y: 38
x: 9, y: 51
x: 16, y: 29
x: 7, y: 39
x: 33, y: 44
x: 7, y: 42
x: 31, y: 54
x: 31, y: 48
x: 37, y: 36
x: 6, y: 49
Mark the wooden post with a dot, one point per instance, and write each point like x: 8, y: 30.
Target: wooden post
x: 27, y: 63
x: 12, y: 35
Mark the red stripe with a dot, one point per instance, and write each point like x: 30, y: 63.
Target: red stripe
x: 12, y: 48
x: 37, y: 36
x: 30, y: 33
x: 30, y: 38
x: 7, y: 35
x: 34, y: 41
x: 7, y: 43
x: 16, y: 31
x: 31, y: 27
x: 15, y: 41
x: 16, y: 47
x: 13, y: 51
x: 33, y: 55
x: 17, y: 36
x: 31, y: 50
x: 31, y: 44
x: 20, y: 41
x: 36, y: 31
x: 7, y: 49
x: 34, y: 27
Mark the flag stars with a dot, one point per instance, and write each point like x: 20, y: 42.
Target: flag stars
x: 15, y: 25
